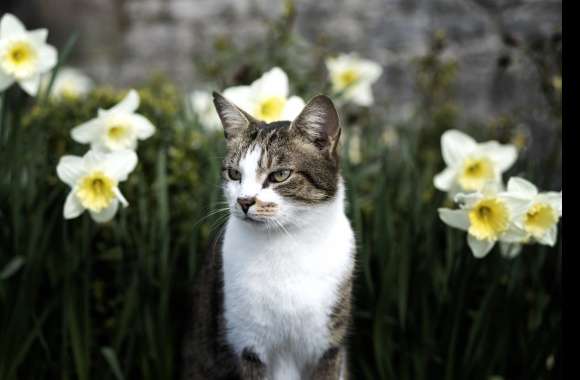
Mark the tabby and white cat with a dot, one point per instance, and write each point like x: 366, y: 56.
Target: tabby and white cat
x: 274, y: 298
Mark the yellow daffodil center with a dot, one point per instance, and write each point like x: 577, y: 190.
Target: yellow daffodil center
x: 117, y: 132
x: 539, y: 219
x: 95, y: 191
x: 475, y: 173
x: 270, y: 109
x: 19, y: 59
x: 488, y: 219
x: 347, y: 78
x: 69, y: 90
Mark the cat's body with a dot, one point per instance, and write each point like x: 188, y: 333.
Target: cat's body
x: 274, y: 301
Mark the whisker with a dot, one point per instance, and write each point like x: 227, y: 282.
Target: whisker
x: 211, y: 213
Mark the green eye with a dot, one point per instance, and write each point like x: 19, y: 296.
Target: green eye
x: 280, y: 175
x: 234, y: 174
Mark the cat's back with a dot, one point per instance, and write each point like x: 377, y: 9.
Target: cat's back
x: 206, y: 354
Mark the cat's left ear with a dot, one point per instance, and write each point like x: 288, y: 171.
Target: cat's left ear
x: 319, y: 123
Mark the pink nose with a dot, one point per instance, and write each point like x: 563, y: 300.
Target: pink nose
x: 246, y: 203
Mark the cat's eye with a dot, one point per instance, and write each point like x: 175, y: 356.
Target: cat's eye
x: 234, y: 174
x: 280, y: 175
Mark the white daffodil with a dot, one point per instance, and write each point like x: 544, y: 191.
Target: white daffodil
x: 202, y: 105
x: 540, y: 219
x: 69, y: 83
x: 117, y: 128
x: 24, y: 55
x: 472, y: 165
x: 488, y: 217
x: 267, y: 97
x: 94, y: 179
x: 352, y: 77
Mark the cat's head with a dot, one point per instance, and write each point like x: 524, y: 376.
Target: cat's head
x: 276, y: 173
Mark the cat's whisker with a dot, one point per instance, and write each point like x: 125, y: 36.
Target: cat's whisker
x: 220, y: 222
x: 284, y: 229
x: 211, y: 213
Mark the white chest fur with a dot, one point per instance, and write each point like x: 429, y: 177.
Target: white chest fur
x: 280, y: 288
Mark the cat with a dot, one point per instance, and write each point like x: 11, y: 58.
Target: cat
x: 273, y: 300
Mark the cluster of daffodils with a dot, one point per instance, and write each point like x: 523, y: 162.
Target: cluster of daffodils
x: 94, y: 178
x: 25, y: 57
x: 489, y: 213
x: 268, y: 98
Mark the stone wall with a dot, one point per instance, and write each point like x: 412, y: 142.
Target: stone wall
x: 123, y: 41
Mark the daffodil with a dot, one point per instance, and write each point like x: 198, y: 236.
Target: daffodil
x: 472, y: 165
x: 488, y: 217
x: 352, y: 77
x: 117, y: 128
x: 202, y: 104
x: 24, y: 55
x: 69, y: 83
x: 267, y: 97
x: 94, y: 180
x: 540, y: 220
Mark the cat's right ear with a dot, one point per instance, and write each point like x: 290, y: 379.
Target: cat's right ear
x: 234, y: 119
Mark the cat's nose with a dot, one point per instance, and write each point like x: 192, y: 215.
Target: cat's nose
x: 246, y: 203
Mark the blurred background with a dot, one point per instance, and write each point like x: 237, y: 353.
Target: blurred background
x: 80, y: 300
x: 124, y: 41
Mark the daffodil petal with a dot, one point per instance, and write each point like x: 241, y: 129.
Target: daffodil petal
x: 86, y: 132
x: 240, y: 96
x: 554, y: 199
x: 72, y: 206
x: 38, y: 35
x: 31, y: 85
x: 47, y: 57
x: 293, y: 107
x: 361, y: 95
x: 106, y: 214
x: 5, y: 81
x: 119, y: 164
x: 70, y: 169
x: 455, y: 218
x: 121, y: 197
x: 504, y: 156
x: 10, y: 26
x: 467, y: 200
x: 510, y: 250
x: 445, y: 180
x: 129, y: 104
x: 514, y: 234
x: 521, y: 186
x: 272, y: 83
x: 550, y: 237
x: 94, y: 159
x: 455, y: 146
x: 143, y: 127
x: 371, y: 71
x: 518, y: 205
x: 479, y: 248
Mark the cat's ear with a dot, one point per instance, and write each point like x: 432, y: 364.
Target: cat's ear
x: 319, y: 123
x: 234, y: 119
